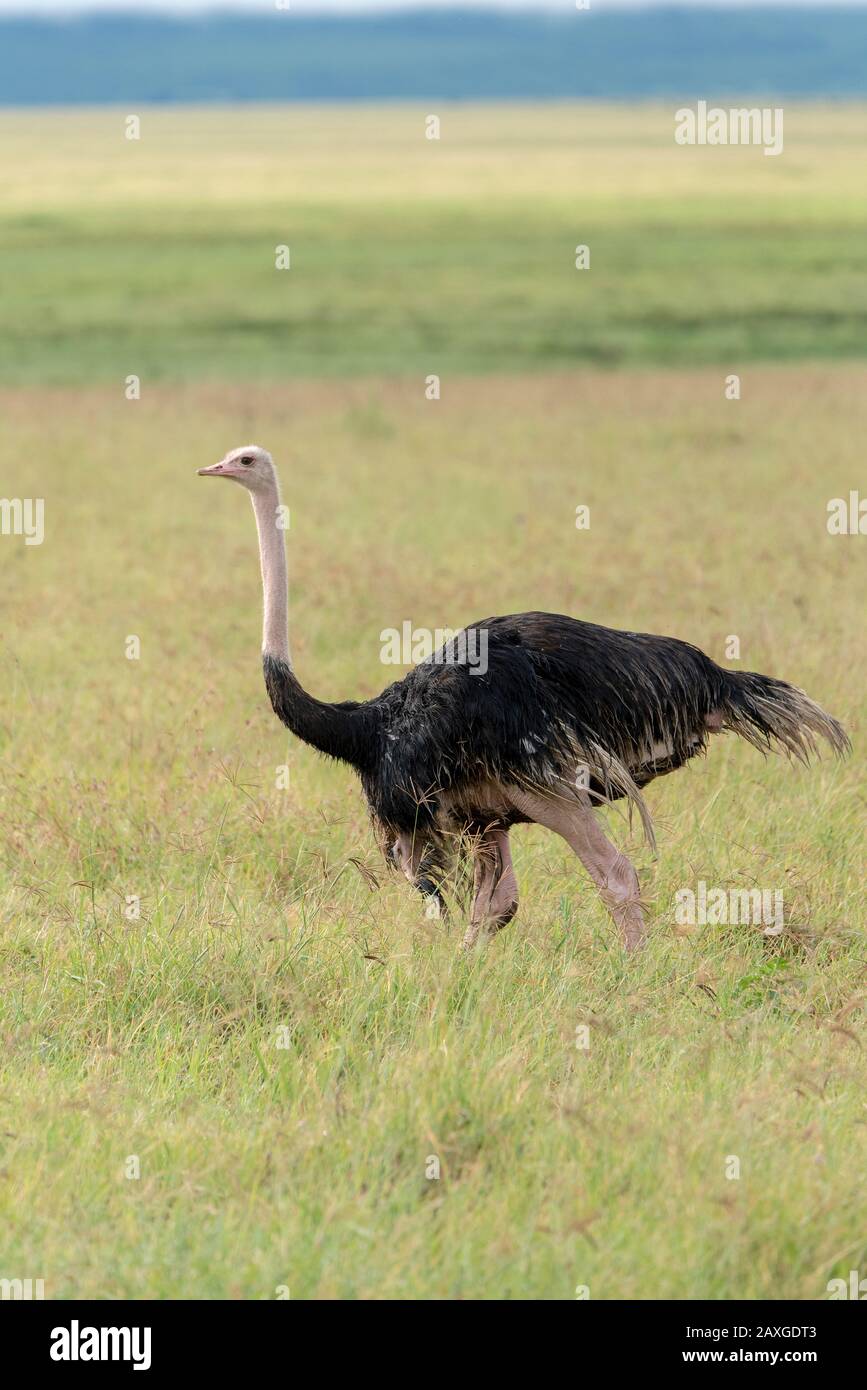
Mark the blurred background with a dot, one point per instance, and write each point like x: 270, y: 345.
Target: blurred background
x: 307, y: 127
x: 336, y: 50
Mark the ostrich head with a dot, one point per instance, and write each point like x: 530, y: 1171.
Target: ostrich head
x: 250, y: 466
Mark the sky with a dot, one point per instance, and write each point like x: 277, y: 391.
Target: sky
x: 70, y: 7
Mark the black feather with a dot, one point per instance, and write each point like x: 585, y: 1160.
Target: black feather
x: 557, y: 693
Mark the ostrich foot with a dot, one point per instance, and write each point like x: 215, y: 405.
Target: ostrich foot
x: 629, y: 918
x: 487, y: 926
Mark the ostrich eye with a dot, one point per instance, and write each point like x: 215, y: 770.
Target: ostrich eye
x: 247, y: 460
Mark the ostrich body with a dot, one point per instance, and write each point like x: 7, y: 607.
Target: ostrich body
x: 566, y: 715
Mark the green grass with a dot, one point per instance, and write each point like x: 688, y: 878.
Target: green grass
x: 408, y: 256
x: 266, y: 910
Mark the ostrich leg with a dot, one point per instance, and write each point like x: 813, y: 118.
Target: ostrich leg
x: 609, y: 868
x: 495, y: 887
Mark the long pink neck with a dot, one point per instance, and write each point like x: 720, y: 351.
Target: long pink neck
x: 344, y: 731
x: 272, y: 553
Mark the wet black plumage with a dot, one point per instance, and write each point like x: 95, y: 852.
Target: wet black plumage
x: 557, y: 693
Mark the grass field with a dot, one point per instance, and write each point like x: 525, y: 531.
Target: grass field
x: 408, y: 255
x: 281, y: 1038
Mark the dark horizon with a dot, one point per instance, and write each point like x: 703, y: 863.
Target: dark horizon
x: 420, y: 55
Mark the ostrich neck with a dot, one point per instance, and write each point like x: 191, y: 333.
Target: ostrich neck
x: 272, y: 553
x: 340, y: 731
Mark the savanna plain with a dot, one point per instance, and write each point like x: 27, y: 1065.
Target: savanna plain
x: 206, y: 967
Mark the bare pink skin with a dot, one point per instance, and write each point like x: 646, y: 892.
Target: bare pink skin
x: 253, y: 468
x: 408, y: 851
x: 608, y: 866
x: 570, y: 815
x: 495, y: 887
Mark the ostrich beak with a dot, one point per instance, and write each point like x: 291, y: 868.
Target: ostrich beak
x: 213, y: 471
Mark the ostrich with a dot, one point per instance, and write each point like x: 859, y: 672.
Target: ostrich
x: 565, y: 715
